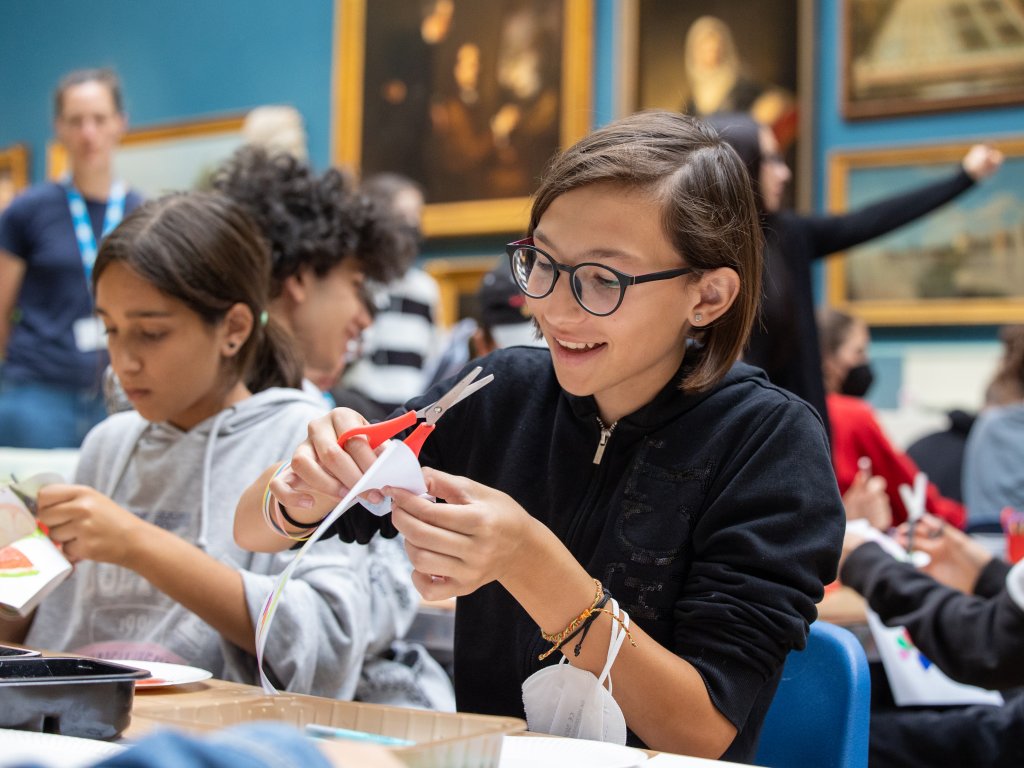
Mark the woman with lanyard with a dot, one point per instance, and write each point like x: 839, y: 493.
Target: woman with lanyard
x: 52, y: 349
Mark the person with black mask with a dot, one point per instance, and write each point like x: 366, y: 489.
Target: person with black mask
x: 856, y: 432
x: 784, y: 343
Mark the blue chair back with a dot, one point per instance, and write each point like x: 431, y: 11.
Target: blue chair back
x: 821, y: 711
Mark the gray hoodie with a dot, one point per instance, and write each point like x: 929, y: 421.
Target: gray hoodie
x: 993, y: 471
x: 345, y: 602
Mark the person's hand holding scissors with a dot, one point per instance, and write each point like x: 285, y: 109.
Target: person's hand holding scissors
x: 341, y: 447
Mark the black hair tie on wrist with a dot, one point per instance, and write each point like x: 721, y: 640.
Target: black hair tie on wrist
x: 295, y: 523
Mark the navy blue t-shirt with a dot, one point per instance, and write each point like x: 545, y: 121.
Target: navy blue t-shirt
x: 37, y: 229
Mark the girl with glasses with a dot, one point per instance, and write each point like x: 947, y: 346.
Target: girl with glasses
x: 635, y: 453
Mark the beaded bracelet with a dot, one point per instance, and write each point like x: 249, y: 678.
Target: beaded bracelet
x: 611, y: 613
x: 560, y: 636
x: 582, y: 624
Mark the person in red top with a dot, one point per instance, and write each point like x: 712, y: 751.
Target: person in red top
x: 856, y: 432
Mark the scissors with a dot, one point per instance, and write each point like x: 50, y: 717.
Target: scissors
x: 384, y: 430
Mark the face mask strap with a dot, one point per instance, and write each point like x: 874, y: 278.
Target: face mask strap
x: 619, y: 632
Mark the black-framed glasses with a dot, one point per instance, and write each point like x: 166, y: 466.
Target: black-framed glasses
x: 597, y: 288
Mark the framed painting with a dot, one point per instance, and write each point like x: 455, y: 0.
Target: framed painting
x: 908, y: 56
x: 961, y: 264
x: 469, y: 99
x: 161, y: 158
x: 13, y: 172
x: 709, y: 56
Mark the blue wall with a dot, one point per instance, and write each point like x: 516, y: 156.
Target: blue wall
x: 193, y: 58
x: 177, y: 59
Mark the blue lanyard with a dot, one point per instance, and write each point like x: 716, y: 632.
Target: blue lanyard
x: 83, y: 227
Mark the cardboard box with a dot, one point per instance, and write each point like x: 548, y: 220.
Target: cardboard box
x: 442, y: 739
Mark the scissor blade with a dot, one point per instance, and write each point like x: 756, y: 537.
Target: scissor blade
x: 464, y: 388
x: 475, y: 386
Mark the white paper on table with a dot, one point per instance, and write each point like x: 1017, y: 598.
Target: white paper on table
x: 665, y: 760
x: 913, y: 678
x: 398, y: 467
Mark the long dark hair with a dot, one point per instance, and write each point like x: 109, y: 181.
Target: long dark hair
x: 203, y: 250
x: 743, y: 134
x: 708, y: 211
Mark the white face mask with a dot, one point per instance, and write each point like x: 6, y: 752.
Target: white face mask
x: 564, y: 700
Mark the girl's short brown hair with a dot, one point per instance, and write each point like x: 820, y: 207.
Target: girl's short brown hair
x: 708, y: 212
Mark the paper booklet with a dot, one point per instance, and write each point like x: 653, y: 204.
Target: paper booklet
x: 31, y: 566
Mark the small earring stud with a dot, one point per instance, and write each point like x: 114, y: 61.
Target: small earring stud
x: 698, y: 317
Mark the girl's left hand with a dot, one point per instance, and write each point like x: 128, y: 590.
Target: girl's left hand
x: 88, y: 524
x: 475, y: 536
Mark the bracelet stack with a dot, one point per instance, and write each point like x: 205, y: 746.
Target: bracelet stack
x: 276, y: 518
x: 581, y: 624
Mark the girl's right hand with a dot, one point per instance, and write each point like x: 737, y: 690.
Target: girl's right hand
x: 322, y: 472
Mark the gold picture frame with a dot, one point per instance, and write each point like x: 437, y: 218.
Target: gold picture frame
x: 173, y: 155
x: 481, y: 211
x: 773, y: 50
x: 458, y: 281
x: 961, y: 264
x: 969, y: 54
x: 13, y: 172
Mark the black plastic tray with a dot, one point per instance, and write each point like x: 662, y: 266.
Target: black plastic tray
x: 72, y: 696
x: 7, y: 651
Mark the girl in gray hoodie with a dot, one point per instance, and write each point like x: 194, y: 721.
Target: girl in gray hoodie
x: 182, y: 289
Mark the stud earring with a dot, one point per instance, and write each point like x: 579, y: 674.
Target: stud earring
x: 232, y: 345
x: 698, y: 317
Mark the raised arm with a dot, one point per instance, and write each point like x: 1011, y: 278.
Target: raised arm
x: 831, y: 234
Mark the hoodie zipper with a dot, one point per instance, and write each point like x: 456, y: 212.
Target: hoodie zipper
x: 606, y: 433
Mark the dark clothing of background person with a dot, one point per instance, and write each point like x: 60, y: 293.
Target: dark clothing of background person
x: 940, y: 455
x: 975, y: 639
x: 784, y: 341
x: 717, y: 547
x: 43, y: 358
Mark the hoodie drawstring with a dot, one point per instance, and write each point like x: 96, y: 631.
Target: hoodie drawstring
x: 211, y: 443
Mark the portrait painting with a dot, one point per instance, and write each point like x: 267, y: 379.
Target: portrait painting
x: 910, y: 56
x: 961, y: 264
x: 718, y: 56
x: 13, y: 172
x: 468, y: 99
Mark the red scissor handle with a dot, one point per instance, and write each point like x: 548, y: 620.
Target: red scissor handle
x: 377, y: 434
x: 418, y: 437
